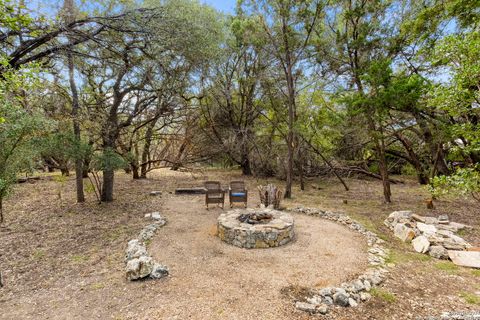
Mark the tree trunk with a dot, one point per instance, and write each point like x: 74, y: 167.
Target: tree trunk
x: 146, y: 150
x: 76, y: 130
x: 109, y: 173
x: 107, y: 190
x: 1, y: 210
x: 436, y: 149
x: 69, y: 16
x: 245, y: 158
x: 64, y: 170
x: 413, y: 159
x: 134, y: 169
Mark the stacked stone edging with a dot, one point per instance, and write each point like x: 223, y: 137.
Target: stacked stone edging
x: 279, y: 231
x: 139, y: 264
x: 428, y: 235
x: 348, y: 294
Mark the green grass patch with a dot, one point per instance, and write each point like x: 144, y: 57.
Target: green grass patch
x: 97, y: 286
x: 470, y: 298
x: 476, y: 272
x: 399, y: 257
x: 79, y: 258
x: 383, y: 294
x: 38, y: 254
x: 447, y: 266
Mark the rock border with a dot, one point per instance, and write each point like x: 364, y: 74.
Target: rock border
x: 434, y: 236
x: 348, y: 294
x: 139, y: 264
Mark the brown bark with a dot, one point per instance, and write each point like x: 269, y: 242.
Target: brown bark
x: 1, y: 210
x: 413, y: 159
x: 146, y: 150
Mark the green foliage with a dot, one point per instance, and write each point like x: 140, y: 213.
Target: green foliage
x: 108, y: 159
x: 464, y: 182
x: 17, y: 132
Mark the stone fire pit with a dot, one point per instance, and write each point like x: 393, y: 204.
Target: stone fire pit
x: 256, y: 228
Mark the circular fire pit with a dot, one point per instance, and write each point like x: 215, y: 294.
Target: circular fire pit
x: 255, y: 228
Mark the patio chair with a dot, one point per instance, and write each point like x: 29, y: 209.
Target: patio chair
x: 214, y: 193
x: 237, y: 192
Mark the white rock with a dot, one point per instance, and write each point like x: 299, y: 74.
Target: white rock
x: 322, y: 309
x: 458, y: 226
x: 364, y: 296
x: 307, y: 307
x: 403, y: 232
x: 367, y: 285
x: 316, y: 300
x: 352, y: 303
x: 465, y: 258
x: 139, y: 268
x: 135, y: 249
x: 426, y: 228
x: 421, y: 244
x: 431, y: 220
x: 438, y: 252
x: 156, y: 216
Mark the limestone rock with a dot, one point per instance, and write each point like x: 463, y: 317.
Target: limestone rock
x: 403, y: 232
x: 438, y: 252
x: 352, y: 303
x: 364, y: 296
x: 465, y: 258
x: 398, y: 217
x: 421, y: 244
x: 139, y: 268
x: 305, y: 306
x: 148, y: 232
x: 155, y: 193
x: 459, y: 226
x: 443, y: 219
x: 328, y: 300
x: 322, y: 309
x: 449, y: 227
x: 135, y: 249
x: 426, y: 228
x: 431, y: 220
x: 341, y: 299
x: 159, y: 271
x: 417, y: 217
x: 367, y: 285
x: 156, y: 216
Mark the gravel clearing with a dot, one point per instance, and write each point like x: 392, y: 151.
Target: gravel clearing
x: 213, y: 280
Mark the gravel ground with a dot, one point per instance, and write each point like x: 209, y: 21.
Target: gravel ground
x: 214, y: 280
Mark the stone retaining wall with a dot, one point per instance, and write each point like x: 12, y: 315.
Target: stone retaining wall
x: 277, y: 232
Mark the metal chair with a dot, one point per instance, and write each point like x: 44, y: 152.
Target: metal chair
x: 214, y: 193
x: 238, y: 193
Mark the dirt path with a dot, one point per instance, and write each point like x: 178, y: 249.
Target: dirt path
x: 214, y: 280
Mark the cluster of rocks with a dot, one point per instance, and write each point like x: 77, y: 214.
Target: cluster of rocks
x: 274, y: 232
x: 429, y: 235
x: 348, y: 294
x: 139, y: 264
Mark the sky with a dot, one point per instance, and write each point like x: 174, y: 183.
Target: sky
x: 226, y: 6
x: 47, y: 6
